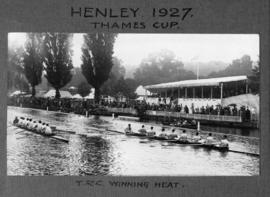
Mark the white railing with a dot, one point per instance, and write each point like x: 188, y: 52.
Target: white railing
x: 122, y: 110
x: 222, y: 118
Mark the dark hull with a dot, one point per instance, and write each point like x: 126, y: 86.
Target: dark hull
x: 213, y: 147
x: 197, y: 144
x: 183, y: 142
x: 136, y: 134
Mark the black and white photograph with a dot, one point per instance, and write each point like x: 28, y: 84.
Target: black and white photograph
x: 133, y: 104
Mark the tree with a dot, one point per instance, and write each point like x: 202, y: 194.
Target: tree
x: 161, y: 67
x: 254, y: 79
x: 122, y: 87
x: 32, y: 60
x: 16, y: 77
x: 132, y: 85
x: 77, y: 78
x: 97, y: 52
x: 84, y: 89
x: 116, y: 73
x: 242, y: 66
x: 58, y: 60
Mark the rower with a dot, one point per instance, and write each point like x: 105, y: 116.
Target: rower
x: 43, y: 127
x: 163, y: 134
x: 16, y: 120
x: 32, y: 127
x: 35, y: 126
x: 210, y: 139
x: 27, y: 122
x: 48, y: 129
x: 197, y: 137
x: 151, y: 133
x: 224, y: 142
x: 142, y: 130
x: 172, y: 135
x: 23, y: 122
x: 39, y: 126
x: 128, y: 129
x: 20, y: 121
x: 183, y: 137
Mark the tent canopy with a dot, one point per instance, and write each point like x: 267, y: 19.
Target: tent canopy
x: 141, y: 91
x: 141, y: 98
x: 77, y: 96
x: 17, y: 92
x: 197, y: 82
x: 91, y: 95
x: 64, y: 94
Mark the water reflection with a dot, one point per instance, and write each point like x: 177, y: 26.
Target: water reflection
x: 89, y: 156
x: 93, y: 152
x: 235, y: 131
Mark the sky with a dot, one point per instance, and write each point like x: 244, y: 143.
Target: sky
x: 133, y: 48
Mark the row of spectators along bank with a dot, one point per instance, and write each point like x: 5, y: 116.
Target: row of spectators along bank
x: 68, y: 105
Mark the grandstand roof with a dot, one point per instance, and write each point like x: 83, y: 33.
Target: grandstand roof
x: 197, y: 82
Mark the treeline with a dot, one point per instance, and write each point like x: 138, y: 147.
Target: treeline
x: 50, y: 55
x: 165, y: 67
x: 45, y: 61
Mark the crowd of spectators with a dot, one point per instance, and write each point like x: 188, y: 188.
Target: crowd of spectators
x: 88, y: 106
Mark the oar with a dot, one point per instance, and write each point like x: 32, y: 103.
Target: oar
x: 115, y: 131
x: 247, y: 153
x: 234, y: 151
x: 65, y: 131
x: 59, y: 138
x: 20, y: 131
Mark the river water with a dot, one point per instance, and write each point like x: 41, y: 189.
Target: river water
x: 99, y: 152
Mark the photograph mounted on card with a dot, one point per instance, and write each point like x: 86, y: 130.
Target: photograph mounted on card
x: 134, y: 98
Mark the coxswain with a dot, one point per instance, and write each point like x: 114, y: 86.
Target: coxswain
x: 16, y: 120
x: 48, y: 129
x: 33, y: 125
x: 172, y: 135
x: 210, y: 140
x: 163, y: 134
x: 224, y: 142
x: 128, y: 129
x: 197, y: 137
x: 183, y: 136
x: 151, y: 133
x: 142, y: 130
